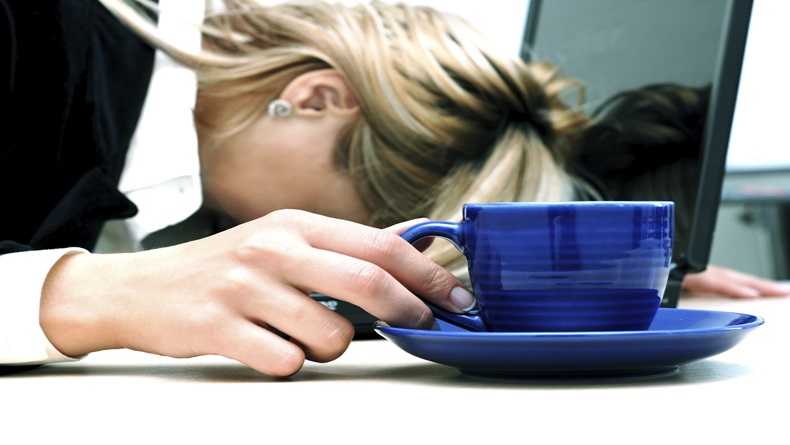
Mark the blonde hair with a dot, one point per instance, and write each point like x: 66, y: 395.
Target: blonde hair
x: 445, y: 119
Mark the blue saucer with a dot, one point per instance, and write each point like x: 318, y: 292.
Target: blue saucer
x: 676, y: 337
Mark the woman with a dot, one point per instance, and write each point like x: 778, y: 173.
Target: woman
x: 289, y: 116
x: 292, y: 112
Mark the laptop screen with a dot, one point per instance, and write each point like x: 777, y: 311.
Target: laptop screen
x: 613, y: 46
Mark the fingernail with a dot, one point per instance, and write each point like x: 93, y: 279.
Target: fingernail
x: 783, y: 288
x: 462, y: 299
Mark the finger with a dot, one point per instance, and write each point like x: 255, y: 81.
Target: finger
x: 394, y: 255
x: 359, y: 282
x: 421, y: 244
x: 740, y: 284
x: 259, y: 349
x: 321, y: 333
x: 738, y: 291
x: 402, y: 226
x: 711, y: 282
x: 761, y: 286
x: 772, y: 289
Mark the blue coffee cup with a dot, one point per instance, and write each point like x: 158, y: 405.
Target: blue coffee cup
x: 560, y: 266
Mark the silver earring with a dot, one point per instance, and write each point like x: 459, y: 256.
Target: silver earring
x: 280, y: 108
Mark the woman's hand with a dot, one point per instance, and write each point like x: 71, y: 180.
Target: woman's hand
x: 244, y: 293
x: 734, y: 284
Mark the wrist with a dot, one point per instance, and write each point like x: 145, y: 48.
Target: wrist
x: 75, y: 313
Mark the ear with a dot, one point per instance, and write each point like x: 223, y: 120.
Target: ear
x: 321, y: 92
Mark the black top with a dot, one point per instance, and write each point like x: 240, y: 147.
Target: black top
x: 71, y: 91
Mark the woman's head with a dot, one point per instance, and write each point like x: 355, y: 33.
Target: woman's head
x: 442, y: 117
x: 646, y: 144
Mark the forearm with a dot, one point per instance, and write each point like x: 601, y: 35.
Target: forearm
x: 77, y: 304
x: 22, y: 275
x: 235, y: 292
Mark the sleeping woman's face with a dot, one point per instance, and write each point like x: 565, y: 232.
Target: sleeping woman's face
x: 286, y: 162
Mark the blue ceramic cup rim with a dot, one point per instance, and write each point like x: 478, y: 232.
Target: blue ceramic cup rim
x: 569, y: 203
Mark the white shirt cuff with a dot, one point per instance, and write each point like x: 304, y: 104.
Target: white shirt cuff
x: 22, y: 274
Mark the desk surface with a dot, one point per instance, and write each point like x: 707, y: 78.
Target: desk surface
x: 376, y: 393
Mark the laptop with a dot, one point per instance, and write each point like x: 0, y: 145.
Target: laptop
x: 616, y: 45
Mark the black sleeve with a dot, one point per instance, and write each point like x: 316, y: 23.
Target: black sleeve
x: 6, y: 51
x: 72, y: 85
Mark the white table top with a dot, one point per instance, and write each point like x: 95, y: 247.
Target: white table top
x: 376, y: 393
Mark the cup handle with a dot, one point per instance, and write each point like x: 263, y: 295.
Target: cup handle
x: 453, y: 232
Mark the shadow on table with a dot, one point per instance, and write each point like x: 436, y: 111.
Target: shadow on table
x: 230, y: 372
x: 419, y: 374
x: 433, y: 374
